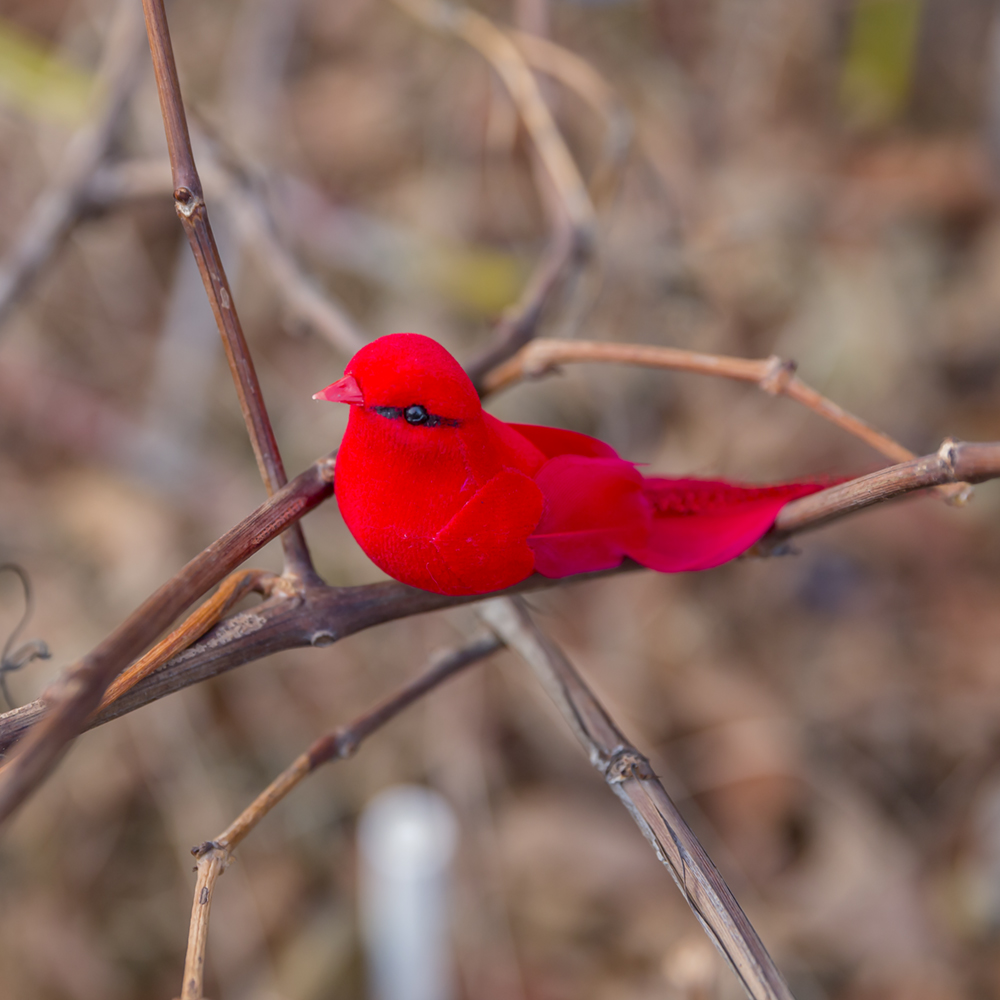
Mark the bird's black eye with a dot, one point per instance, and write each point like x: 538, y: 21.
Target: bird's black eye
x: 416, y: 414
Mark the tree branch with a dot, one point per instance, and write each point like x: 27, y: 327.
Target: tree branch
x: 215, y: 855
x: 79, y: 691
x: 190, y: 204
x: 318, y: 615
x: 630, y: 777
x: 59, y: 207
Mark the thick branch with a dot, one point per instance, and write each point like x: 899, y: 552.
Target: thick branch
x: 80, y: 690
x: 320, y: 615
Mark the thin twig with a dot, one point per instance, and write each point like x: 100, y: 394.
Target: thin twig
x: 323, y: 615
x: 210, y: 866
x: 58, y: 209
x: 215, y: 855
x: 80, y: 690
x: 519, y: 323
x: 14, y: 659
x: 231, y: 591
x: 303, y: 300
x: 191, y: 209
x: 573, y: 227
x: 630, y: 777
x: 495, y: 45
x: 773, y: 375
x: 580, y: 76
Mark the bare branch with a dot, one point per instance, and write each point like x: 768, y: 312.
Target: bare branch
x: 495, y: 45
x: 631, y: 778
x: 321, y: 615
x: 773, y: 375
x: 954, y: 462
x: 580, y: 76
x: 215, y: 855
x: 190, y: 204
x: 573, y: 227
x: 57, y: 210
x: 232, y: 590
x: 79, y: 692
x: 210, y: 867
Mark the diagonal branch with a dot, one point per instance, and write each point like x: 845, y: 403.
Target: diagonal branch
x: 190, y: 204
x: 630, y: 777
x: 215, y: 855
x: 79, y: 691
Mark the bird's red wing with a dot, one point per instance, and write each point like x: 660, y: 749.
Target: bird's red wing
x: 595, y: 512
x: 484, y: 546
x: 552, y: 441
x: 701, y: 523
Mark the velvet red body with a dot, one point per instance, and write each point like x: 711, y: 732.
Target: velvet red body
x: 458, y: 502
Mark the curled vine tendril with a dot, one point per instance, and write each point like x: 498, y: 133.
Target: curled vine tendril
x: 23, y: 655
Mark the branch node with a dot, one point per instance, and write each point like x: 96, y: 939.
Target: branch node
x: 628, y: 763
x: 321, y: 639
x: 202, y: 849
x: 186, y: 202
x: 777, y: 376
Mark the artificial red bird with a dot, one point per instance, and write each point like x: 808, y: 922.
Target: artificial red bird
x: 444, y: 496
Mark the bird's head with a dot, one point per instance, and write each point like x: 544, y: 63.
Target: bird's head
x: 408, y: 379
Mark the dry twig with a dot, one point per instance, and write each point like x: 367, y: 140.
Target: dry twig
x: 231, y: 591
x: 496, y: 46
x: 580, y: 76
x: 79, y: 691
x: 773, y: 375
x: 214, y: 855
x: 631, y: 778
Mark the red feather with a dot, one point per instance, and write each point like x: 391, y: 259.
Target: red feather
x: 444, y: 496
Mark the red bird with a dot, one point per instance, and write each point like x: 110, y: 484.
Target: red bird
x: 443, y: 496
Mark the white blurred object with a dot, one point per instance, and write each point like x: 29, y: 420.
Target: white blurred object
x: 406, y: 838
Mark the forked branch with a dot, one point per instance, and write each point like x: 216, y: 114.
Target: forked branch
x: 214, y: 855
x: 630, y: 777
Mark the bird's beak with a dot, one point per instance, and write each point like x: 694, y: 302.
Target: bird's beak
x: 345, y: 390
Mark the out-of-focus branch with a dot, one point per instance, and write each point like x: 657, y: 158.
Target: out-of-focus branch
x: 57, y: 210
x: 79, y: 692
x: 12, y: 659
x: 151, y: 178
x: 573, y: 227
x: 321, y: 615
x: 495, y: 45
x: 214, y: 855
x: 190, y: 204
x: 580, y: 76
x: 304, y: 302
x: 773, y: 375
x: 631, y: 778
x: 520, y: 322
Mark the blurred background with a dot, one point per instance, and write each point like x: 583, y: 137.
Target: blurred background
x: 813, y: 179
